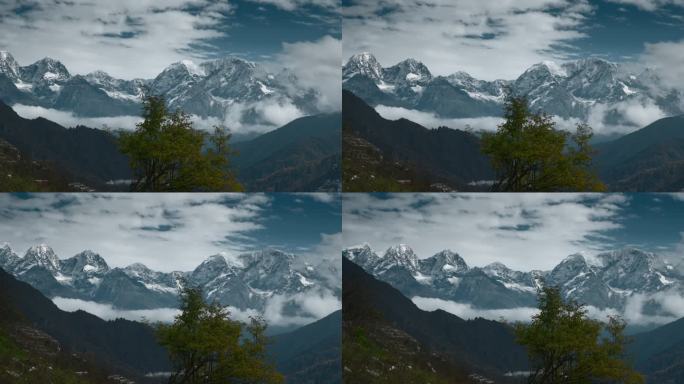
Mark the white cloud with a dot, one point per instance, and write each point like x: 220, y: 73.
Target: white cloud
x: 291, y: 5
x: 650, y: 5
x: 636, y: 114
x: 466, y: 311
x: 315, y: 305
x: 69, y: 120
x: 481, y: 227
x: 86, y: 36
x: 326, y: 198
x: 278, y: 114
x: 672, y: 303
x: 666, y: 59
x: 107, y: 312
x: 190, y: 227
x: 270, y: 114
x: 317, y: 65
x: 430, y: 120
x: 326, y: 259
x: 444, y: 35
x: 633, y: 313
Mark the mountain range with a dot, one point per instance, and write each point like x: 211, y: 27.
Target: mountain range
x: 387, y: 338
x: 605, y: 281
x: 445, y: 156
x: 213, y: 88
x: 57, y: 342
x: 303, y: 155
x: 41, y: 343
x: 648, y: 159
x: 245, y: 282
x: 568, y: 90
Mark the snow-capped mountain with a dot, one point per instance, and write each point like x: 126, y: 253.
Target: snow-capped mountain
x: 244, y: 281
x: 568, y: 90
x: 213, y: 88
x: 606, y: 280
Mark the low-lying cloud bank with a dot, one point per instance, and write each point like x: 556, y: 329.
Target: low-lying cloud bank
x: 69, y: 120
x: 108, y: 312
x: 431, y: 120
x: 263, y: 117
x: 311, y: 307
x: 634, y: 114
x: 466, y: 311
x: 671, y: 306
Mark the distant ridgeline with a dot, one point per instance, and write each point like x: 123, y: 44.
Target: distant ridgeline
x: 568, y: 90
x: 206, y: 89
x: 648, y: 159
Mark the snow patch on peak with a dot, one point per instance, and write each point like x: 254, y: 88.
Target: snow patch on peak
x: 554, y: 68
x: 400, y: 248
x: 413, y: 76
x: 231, y: 260
x: 193, y: 68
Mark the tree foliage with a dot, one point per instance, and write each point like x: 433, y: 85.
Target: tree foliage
x: 167, y: 154
x: 208, y: 347
x: 567, y: 347
x: 529, y: 154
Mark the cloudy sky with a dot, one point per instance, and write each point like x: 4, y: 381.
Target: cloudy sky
x: 170, y: 232
x: 523, y: 231
x: 500, y: 39
x: 139, y: 38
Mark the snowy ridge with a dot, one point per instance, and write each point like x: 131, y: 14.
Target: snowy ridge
x: 568, y: 90
x: 229, y: 81
x: 604, y: 280
x: 242, y: 281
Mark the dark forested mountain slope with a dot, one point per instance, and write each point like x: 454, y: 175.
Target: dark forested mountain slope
x: 468, y: 346
x: 303, y: 155
x: 88, y: 155
x: 310, y: 354
x: 650, y: 159
x: 121, y: 345
x: 659, y: 353
x: 448, y: 155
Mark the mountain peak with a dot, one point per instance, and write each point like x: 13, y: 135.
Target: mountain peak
x: 362, y: 255
x: 7, y: 256
x: 215, y: 259
x: 495, y: 268
x: 140, y: 267
x: 365, y: 64
x: 575, y: 258
x: 42, y: 255
x: 46, y: 69
x: 401, y: 254
x: 8, y: 65
x: 192, y: 68
x: 87, y: 262
x: 445, y: 261
x: 554, y: 68
x: 400, y: 249
x: 408, y: 71
x: 546, y: 68
x: 363, y: 246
